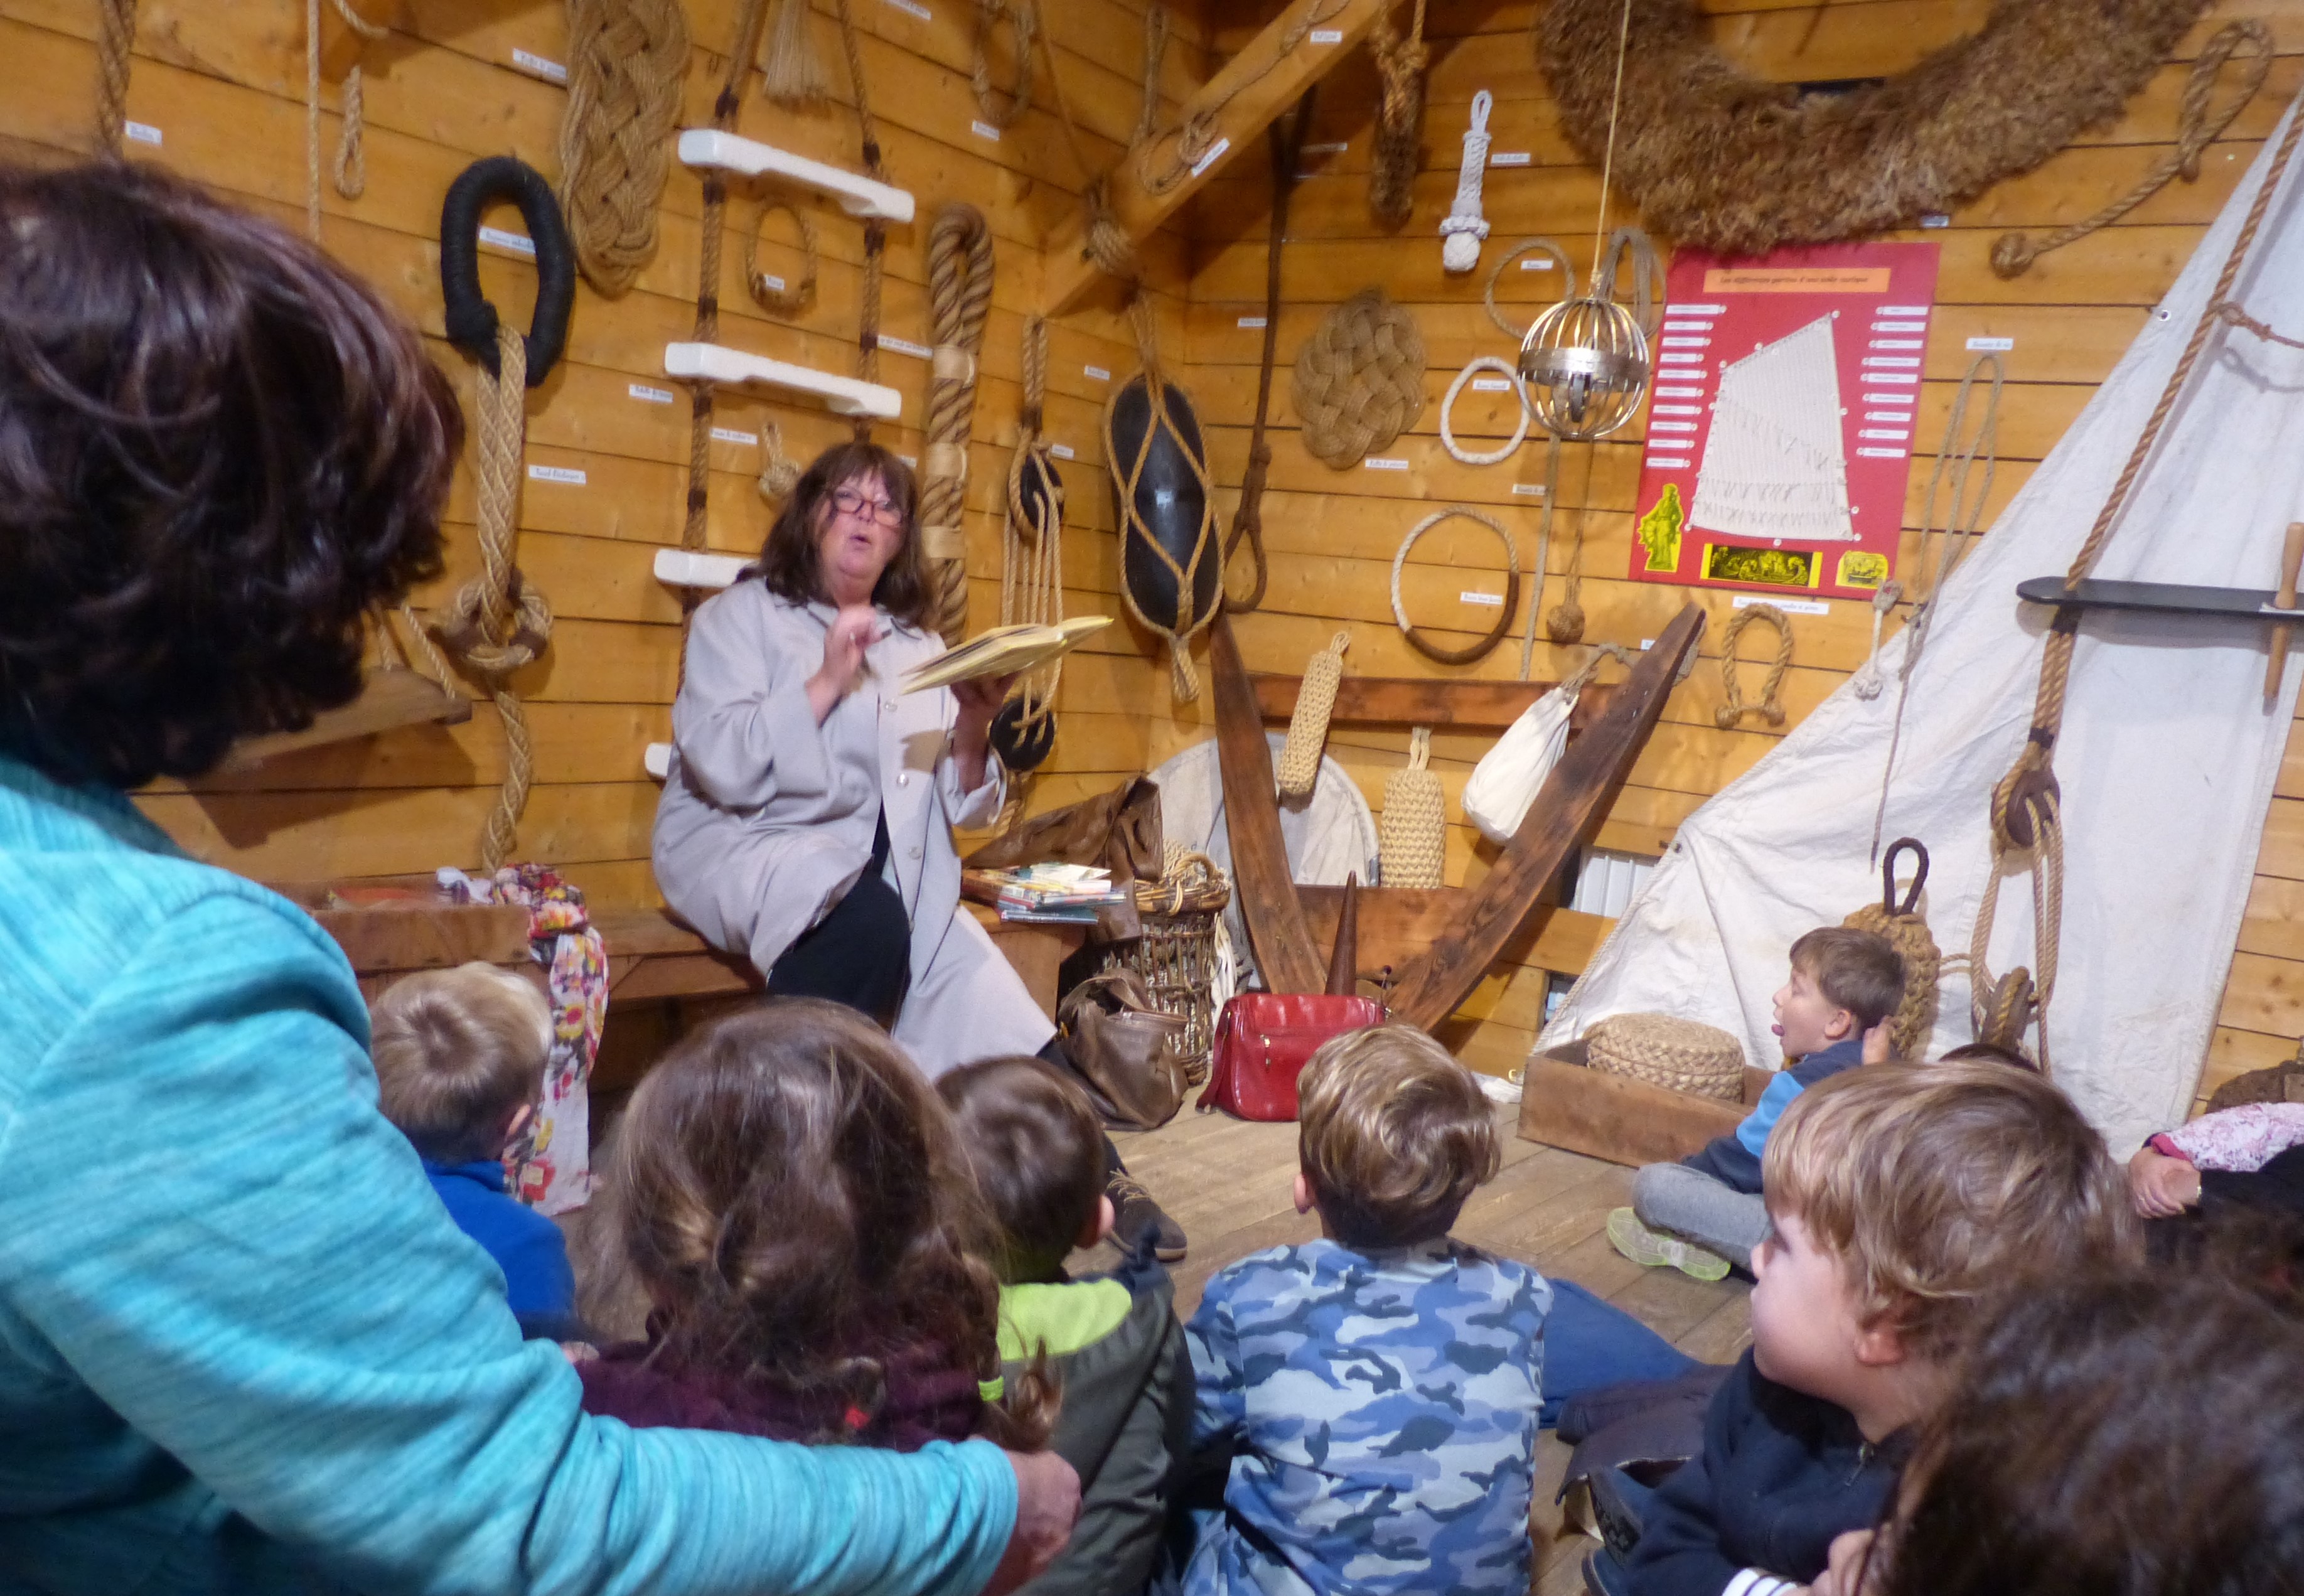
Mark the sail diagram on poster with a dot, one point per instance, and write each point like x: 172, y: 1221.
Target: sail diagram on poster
x: 1773, y: 465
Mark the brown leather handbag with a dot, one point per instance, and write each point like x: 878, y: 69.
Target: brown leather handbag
x: 1263, y: 1040
x: 1129, y: 1054
x: 1118, y: 830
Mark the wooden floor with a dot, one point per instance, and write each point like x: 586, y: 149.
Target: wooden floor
x: 1229, y: 1184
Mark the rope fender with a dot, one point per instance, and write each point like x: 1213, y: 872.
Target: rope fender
x: 471, y: 318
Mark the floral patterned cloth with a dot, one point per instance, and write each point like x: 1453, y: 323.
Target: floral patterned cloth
x: 553, y: 1173
x: 2243, y: 1139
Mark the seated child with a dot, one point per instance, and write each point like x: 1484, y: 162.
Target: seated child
x: 459, y: 1067
x: 1378, y: 1388
x: 1900, y: 1196
x: 1704, y: 1214
x: 1036, y: 1148
x: 790, y: 1195
x: 2122, y: 1435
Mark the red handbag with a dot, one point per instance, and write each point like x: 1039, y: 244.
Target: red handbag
x: 1263, y: 1040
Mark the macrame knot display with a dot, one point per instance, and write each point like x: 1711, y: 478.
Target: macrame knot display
x: 1665, y: 1050
x: 1463, y: 228
x: 1413, y: 838
x: 627, y: 61
x: 1308, y: 724
x: 1400, y: 63
x: 1771, y: 706
x: 1359, y: 379
x: 1907, y: 931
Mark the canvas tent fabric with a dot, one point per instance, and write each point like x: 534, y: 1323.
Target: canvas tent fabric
x: 2167, y: 756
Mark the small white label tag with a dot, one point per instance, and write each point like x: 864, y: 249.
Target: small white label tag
x: 1216, y: 153
x: 557, y: 473
x: 1680, y: 393
x: 1492, y: 384
x: 771, y: 282
x: 1338, y: 147
x: 1509, y: 157
x: 912, y: 461
x: 985, y: 130
x: 1672, y: 426
x: 1377, y: 464
x: 1529, y: 489
x: 1680, y: 360
x: 1900, y: 310
x: 918, y: 352
x: 1992, y: 344
x: 641, y: 390
x: 141, y: 132
x: 1897, y: 343
x: 1883, y: 435
x: 1493, y: 600
x: 1251, y: 322
x: 729, y: 435
x: 1671, y: 311
x: 1664, y: 463
x: 1327, y: 36
x: 1686, y: 342
x: 915, y: 9
x: 1060, y: 451
x: 1912, y: 381
x: 1879, y: 453
x: 1536, y: 263
x: 536, y: 66
x: 1934, y: 218
x: 1798, y: 606
x: 1900, y: 327
x: 516, y: 243
x: 1887, y: 415
x: 1901, y: 362
x: 1095, y: 374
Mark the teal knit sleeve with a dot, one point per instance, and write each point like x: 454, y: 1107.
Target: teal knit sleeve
x: 208, y: 1223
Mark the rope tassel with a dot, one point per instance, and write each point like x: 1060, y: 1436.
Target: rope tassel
x: 1463, y: 228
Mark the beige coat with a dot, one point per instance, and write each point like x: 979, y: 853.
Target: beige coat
x: 767, y: 818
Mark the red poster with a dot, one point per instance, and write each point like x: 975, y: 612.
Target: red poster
x: 1780, y: 432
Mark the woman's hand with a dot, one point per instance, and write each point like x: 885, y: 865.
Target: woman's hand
x: 2161, y: 1187
x: 979, y: 699
x: 853, y: 630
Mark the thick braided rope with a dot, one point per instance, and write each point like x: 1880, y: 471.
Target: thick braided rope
x: 1908, y: 934
x: 1031, y: 554
x: 1770, y: 707
x: 1400, y: 63
x: 1359, y: 379
x: 2198, y: 126
x: 1463, y: 227
x: 1567, y: 279
x: 1999, y: 1007
x: 627, y: 61
x: 960, y: 298
x: 1023, y: 19
x: 1413, y: 838
x: 115, y: 39
x: 781, y: 299
x: 1416, y: 639
x: 1307, y: 723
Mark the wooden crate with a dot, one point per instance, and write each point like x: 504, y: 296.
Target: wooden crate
x: 1564, y: 1104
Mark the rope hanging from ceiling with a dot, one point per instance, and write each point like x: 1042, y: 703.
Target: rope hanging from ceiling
x: 1031, y: 565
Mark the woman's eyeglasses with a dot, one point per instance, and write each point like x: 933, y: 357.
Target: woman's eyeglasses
x: 849, y: 502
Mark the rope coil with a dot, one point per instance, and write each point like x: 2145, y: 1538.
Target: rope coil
x: 1480, y: 649
x: 1770, y: 707
x: 1413, y: 837
x: 627, y: 63
x: 1308, y: 724
x: 1359, y: 379
x: 1463, y: 228
x: 959, y: 299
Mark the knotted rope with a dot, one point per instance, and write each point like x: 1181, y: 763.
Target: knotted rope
x: 627, y: 62
x: 1307, y: 723
x: 1416, y: 639
x: 1023, y: 19
x: 350, y: 168
x: 777, y: 297
x: 114, y: 42
x: 2198, y: 126
x: 1565, y: 623
x: 1359, y: 379
x: 1032, y: 563
x: 1413, y: 837
x: 1906, y: 931
x: 1156, y: 55
x: 779, y: 471
x: 794, y: 74
x: 1286, y: 145
x: 960, y: 297
x: 1770, y: 707
x: 2026, y: 814
x: 1868, y: 682
x: 1400, y: 63
x: 1464, y: 227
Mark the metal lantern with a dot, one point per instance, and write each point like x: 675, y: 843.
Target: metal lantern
x: 1585, y: 364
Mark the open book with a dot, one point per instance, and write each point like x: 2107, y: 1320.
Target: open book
x: 1004, y: 651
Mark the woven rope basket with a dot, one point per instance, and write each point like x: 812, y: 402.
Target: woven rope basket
x: 1679, y: 1054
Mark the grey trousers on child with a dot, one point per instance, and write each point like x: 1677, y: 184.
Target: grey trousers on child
x: 1698, y: 1208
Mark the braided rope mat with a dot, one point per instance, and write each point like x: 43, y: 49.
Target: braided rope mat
x: 627, y: 63
x: 1359, y: 379
x: 1665, y: 1050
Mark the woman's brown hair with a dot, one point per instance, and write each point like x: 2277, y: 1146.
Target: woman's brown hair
x: 788, y: 559
x: 791, y: 1196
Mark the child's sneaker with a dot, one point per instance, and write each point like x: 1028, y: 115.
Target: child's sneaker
x: 1651, y: 1248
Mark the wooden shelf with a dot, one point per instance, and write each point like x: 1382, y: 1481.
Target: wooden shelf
x: 732, y: 368
x: 704, y: 148
x: 391, y: 699
x: 682, y: 568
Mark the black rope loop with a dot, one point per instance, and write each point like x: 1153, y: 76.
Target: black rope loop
x: 471, y: 318
x: 1888, y: 876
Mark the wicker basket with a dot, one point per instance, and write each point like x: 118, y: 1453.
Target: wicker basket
x: 1183, y: 956
x: 1679, y: 1054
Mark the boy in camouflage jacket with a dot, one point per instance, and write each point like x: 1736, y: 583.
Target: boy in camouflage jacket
x: 1377, y: 1389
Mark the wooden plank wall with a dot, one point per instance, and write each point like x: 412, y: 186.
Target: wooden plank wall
x: 1333, y: 534
x: 225, y: 85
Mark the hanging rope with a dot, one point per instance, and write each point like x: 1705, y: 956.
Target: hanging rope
x: 1023, y: 19
x: 1156, y: 55
x: 350, y: 170
x: 1167, y: 159
x: 1544, y: 560
x: 792, y: 75
x: 1526, y: 246
x: 1770, y: 707
x: 2027, y: 823
x: 1463, y: 228
x: 1031, y: 564
x: 1400, y: 63
x: 779, y: 471
x: 772, y: 294
x: 1868, y: 682
x: 960, y: 297
x: 1412, y: 837
x: 1286, y: 146
x: 627, y: 63
x: 875, y: 230
x: 2198, y: 126
x: 1565, y: 623
x: 1478, y: 650
x: 115, y: 39
x: 1359, y: 379
x: 1307, y: 722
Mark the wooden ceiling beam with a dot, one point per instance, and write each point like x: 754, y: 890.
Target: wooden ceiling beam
x: 1255, y: 86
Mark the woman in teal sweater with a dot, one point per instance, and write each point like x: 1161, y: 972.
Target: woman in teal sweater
x: 242, y: 1349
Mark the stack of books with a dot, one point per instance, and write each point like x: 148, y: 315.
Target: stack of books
x: 1054, y: 894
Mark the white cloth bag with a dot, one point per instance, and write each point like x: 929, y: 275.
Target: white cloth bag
x: 1510, y: 774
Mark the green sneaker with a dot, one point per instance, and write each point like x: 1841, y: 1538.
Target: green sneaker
x: 1650, y: 1248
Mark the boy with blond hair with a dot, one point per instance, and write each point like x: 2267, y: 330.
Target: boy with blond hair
x: 1900, y: 1197
x: 460, y: 1060
x: 1377, y: 1388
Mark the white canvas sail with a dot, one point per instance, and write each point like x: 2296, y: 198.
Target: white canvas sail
x: 1774, y: 463
x: 2167, y: 756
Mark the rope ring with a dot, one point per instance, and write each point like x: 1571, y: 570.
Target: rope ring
x: 1485, y: 362
x: 1771, y: 706
x: 471, y: 318
x: 1478, y: 650
x: 1496, y: 272
x: 788, y: 301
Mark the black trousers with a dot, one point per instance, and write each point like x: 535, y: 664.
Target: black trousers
x: 860, y: 954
